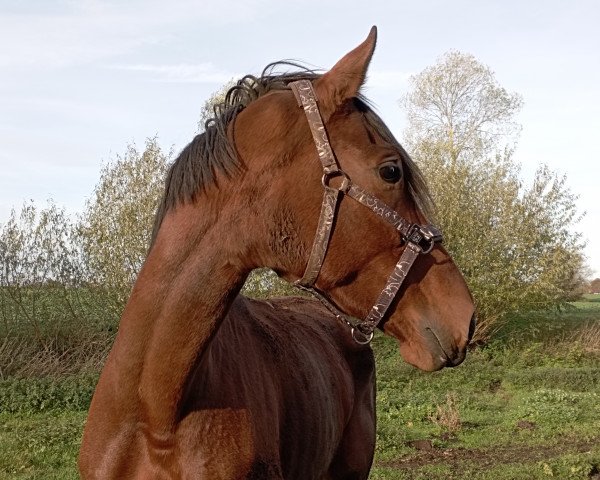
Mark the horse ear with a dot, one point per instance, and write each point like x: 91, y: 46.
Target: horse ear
x: 346, y: 77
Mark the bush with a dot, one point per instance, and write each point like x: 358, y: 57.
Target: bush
x: 43, y: 394
x: 263, y: 283
x: 40, y: 271
x: 116, y: 226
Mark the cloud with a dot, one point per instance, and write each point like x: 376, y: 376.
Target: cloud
x: 85, y: 31
x: 182, y: 73
x: 388, y: 79
x: 69, y: 38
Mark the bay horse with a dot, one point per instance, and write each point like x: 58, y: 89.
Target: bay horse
x: 249, y: 193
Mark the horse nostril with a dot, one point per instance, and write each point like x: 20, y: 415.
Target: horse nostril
x: 472, y: 327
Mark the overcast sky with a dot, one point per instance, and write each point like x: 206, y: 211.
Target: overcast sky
x: 80, y: 79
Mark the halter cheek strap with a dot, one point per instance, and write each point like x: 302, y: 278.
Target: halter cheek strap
x: 418, y: 238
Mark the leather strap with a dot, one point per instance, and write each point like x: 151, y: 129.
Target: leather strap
x: 322, y: 237
x: 307, y: 99
x: 419, y: 239
x: 389, y: 292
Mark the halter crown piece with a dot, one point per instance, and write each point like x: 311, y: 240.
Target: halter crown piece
x: 418, y: 238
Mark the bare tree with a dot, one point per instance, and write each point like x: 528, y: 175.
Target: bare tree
x: 458, y: 103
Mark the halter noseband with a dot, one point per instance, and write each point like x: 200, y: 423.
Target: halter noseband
x: 419, y: 238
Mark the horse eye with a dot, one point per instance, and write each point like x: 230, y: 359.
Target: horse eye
x: 390, y: 173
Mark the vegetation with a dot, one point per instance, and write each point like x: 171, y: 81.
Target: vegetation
x: 516, y: 245
x: 37, y: 268
x: 526, y: 406
x: 116, y: 226
x: 207, y: 111
x: 461, y: 129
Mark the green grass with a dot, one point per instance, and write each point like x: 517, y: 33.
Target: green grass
x: 544, y: 326
x: 40, y: 445
x: 527, y: 406
x: 521, y: 409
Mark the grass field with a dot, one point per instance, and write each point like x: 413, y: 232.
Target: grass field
x: 526, y: 406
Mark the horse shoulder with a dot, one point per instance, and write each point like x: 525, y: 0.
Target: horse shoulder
x: 274, y: 393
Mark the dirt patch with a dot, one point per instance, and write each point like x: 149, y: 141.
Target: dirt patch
x: 492, y: 457
x: 426, y: 445
x: 526, y: 425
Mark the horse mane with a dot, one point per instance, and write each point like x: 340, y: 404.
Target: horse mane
x: 212, y: 150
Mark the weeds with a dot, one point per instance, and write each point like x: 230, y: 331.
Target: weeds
x: 54, y: 355
x: 29, y: 396
x: 446, y: 415
x: 587, y: 337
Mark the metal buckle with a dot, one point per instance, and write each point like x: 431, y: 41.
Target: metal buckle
x: 425, y: 237
x: 363, y: 338
x: 344, y: 186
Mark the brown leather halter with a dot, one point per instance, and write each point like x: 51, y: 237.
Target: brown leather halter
x: 418, y: 238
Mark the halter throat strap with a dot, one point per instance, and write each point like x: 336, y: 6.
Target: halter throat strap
x: 419, y: 239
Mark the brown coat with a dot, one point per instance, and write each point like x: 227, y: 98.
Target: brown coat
x: 282, y: 391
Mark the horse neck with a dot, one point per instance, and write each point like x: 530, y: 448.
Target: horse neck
x: 178, y: 301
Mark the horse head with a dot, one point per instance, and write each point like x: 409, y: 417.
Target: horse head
x: 432, y: 314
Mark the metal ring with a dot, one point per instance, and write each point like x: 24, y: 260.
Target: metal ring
x: 346, y: 182
x: 366, y: 338
x: 430, y: 247
x: 422, y: 237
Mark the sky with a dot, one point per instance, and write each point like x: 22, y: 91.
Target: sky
x: 80, y: 80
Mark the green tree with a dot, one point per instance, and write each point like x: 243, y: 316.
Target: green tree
x: 40, y: 262
x: 515, y: 243
x: 117, y: 223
